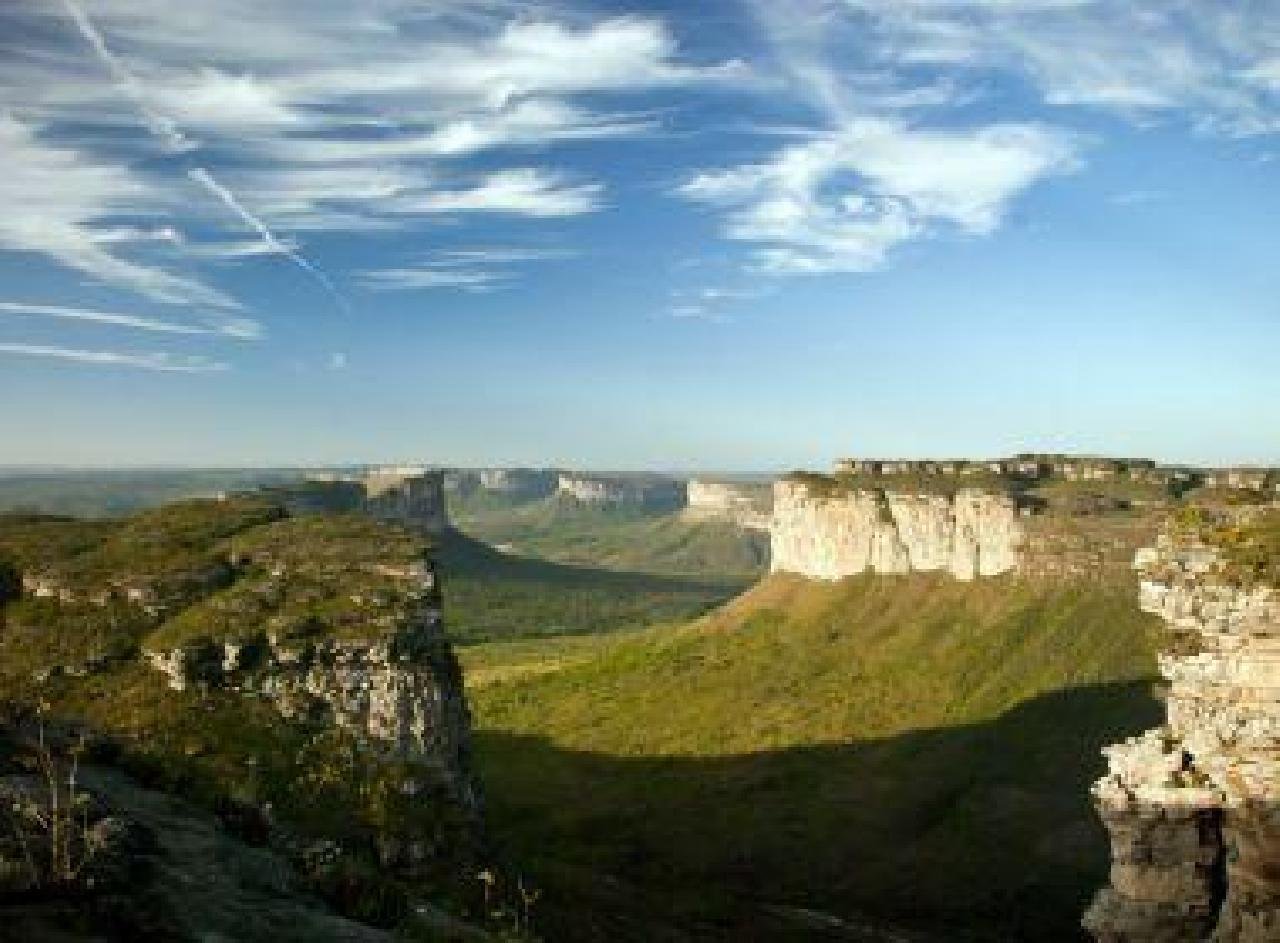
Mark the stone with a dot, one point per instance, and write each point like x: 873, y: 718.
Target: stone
x: 1193, y: 807
x: 833, y: 535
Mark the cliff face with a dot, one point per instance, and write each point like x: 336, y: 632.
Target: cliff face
x: 656, y: 493
x: 409, y: 497
x: 335, y: 621
x: 1193, y: 807
x: 401, y: 696
x: 744, y: 505
x: 833, y: 535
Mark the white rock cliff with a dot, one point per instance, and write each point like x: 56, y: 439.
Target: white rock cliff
x: 1193, y: 807
x: 830, y: 534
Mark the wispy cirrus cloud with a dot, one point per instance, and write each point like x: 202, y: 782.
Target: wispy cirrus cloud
x: 1216, y: 63
x: 425, y: 278
x: 314, y: 117
x: 525, y: 191
x: 482, y: 269
x: 159, y: 361
x: 59, y: 202
x: 235, y: 327
x: 896, y: 154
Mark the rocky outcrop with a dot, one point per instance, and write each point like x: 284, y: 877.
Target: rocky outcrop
x: 398, y: 691
x: 745, y: 505
x: 407, y: 495
x: 1193, y: 807
x: 825, y: 532
x: 410, y: 496
x: 647, y: 492
x: 524, y: 483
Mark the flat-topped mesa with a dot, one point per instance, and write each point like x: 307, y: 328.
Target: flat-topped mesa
x: 335, y: 620
x: 526, y: 483
x: 1029, y: 467
x: 746, y: 505
x: 408, y: 495
x: 1193, y: 807
x: 405, y: 494
x: 823, y: 530
x: 644, y: 491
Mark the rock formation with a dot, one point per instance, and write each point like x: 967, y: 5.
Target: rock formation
x: 1193, y: 807
x: 822, y: 531
x: 525, y: 483
x: 745, y: 505
x: 411, y: 496
x: 408, y: 495
x: 337, y: 624
x: 641, y: 491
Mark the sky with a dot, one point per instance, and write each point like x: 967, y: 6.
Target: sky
x: 725, y: 234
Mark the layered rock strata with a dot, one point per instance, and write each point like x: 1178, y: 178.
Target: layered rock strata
x: 1193, y: 807
x: 832, y: 533
x: 399, y: 691
x: 741, y: 504
x: 653, y: 493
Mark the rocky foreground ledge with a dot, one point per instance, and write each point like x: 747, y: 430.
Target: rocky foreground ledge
x: 1193, y: 806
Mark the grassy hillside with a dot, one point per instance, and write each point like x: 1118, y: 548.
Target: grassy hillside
x: 630, y: 539
x: 911, y: 748
x: 490, y: 595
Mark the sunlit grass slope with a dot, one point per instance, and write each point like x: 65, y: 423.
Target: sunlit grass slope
x: 621, y: 538
x: 910, y: 747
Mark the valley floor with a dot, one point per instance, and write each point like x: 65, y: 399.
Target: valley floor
x: 906, y: 751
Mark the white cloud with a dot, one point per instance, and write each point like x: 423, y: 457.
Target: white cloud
x: 841, y: 201
x: 300, y: 91
x: 161, y: 361
x: 524, y: 191
x: 1211, y: 61
x: 417, y: 279
x: 57, y: 202
x: 240, y: 328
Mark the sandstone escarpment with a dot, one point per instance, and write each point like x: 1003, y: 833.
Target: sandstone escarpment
x: 741, y: 504
x: 1193, y: 807
x: 641, y: 491
x: 407, y: 495
x: 336, y: 622
x: 829, y: 533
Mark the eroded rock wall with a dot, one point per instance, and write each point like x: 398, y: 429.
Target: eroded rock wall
x: 830, y: 535
x: 1193, y: 807
x: 400, y: 693
x: 744, y: 505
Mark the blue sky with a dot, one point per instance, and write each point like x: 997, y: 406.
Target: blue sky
x: 732, y: 234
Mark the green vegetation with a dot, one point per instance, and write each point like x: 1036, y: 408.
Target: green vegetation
x: 621, y: 538
x: 1248, y: 538
x: 912, y: 748
x: 828, y: 486
x: 209, y: 569
x: 490, y: 595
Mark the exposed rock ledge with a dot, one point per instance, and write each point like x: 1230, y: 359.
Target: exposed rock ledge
x: 401, y: 695
x: 1193, y: 807
x: 833, y: 534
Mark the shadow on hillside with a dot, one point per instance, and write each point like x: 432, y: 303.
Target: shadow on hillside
x: 978, y: 832
x: 462, y: 555
x: 491, y: 596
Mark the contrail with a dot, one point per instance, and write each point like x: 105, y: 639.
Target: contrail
x: 175, y: 141
x: 206, y: 180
